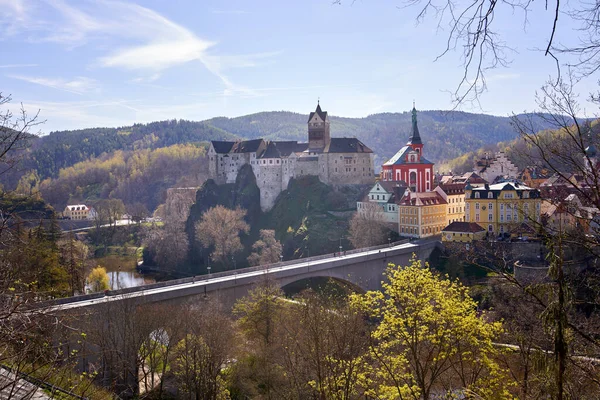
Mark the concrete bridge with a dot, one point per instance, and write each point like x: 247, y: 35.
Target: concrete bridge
x: 362, y: 269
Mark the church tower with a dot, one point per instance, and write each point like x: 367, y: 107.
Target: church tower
x: 318, y: 129
x: 415, y: 138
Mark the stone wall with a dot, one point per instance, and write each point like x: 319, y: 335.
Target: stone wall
x: 269, y: 177
x: 348, y: 168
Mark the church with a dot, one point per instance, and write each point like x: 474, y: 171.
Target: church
x: 409, y: 164
x: 336, y: 161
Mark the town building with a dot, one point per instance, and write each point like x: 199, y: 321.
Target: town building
x: 534, y: 176
x: 495, y: 167
x: 465, y: 232
x: 79, y: 212
x: 383, y: 198
x: 336, y: 161
x: 421, y: 214
x: 454, y: 194
x: 467, y: 178
x: 501, y: 208
x: 409, y: 163
x: 569, y: 215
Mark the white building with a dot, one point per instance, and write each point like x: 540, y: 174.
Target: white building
x: 497, y: 166
x: 383, y: 197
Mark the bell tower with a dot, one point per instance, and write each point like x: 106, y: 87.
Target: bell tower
x: 318, y: 129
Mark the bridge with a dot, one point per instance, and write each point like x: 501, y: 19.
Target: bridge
x: 362, y: 269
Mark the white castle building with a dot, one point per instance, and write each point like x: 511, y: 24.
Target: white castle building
x: 336, y: 161
x: 490, y: 168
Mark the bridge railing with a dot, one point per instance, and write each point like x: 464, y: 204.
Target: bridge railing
x: 200, y: 278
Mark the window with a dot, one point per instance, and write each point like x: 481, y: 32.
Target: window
x: 525, y: 195
x: 477, y: 206
x: 508, y: 195
x: 490, y: 206
x: 490, y: 195
x: 501, y: 217
x: 490, y: 217
x: 476, y: 195
x: 476, y: 217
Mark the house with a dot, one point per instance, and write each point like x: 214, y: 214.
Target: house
x: 383, y: 197
x: 77, y: 212
x: 534, y: 176
x: 335, y: 161
x: 409, y: 163
x: 569, y: 214
x: 498, y: 208
x: 454, y: 194
x: 421, y: 214
x: 460, y: 231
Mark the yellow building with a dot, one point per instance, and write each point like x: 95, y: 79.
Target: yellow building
x: 454, y: 194
x: 464, y: 232
x: 421, y: 214
x: 503, y: 207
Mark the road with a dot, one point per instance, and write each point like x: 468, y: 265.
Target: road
x: 18, y: 389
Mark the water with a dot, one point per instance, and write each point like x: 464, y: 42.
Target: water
x: 126, y: 279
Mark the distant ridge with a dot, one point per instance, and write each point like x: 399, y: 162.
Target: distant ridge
x: 446, y: 134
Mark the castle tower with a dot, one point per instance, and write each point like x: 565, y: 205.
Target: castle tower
x: 318, y: 129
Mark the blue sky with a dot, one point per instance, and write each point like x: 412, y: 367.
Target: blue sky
x: 111, y: 63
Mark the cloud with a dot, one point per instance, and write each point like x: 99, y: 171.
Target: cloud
x: 18, y: 65
x: 149, y: 42
x: 78, y: 85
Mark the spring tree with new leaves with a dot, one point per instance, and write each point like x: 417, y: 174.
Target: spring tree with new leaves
x: 429, y: 340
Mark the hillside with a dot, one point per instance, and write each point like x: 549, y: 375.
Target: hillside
x: 58, y: 162
x: 521, y: 154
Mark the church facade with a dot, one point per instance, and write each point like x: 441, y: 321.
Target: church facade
x: 335, y: 161
x: 409, y: 164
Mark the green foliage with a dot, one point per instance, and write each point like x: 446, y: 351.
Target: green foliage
x: 97, y: 280
x: 429, y: 339
x: 140, y: 176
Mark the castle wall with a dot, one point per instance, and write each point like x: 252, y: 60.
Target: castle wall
x: 348, y: 168
x: 269, y: 177
x: 307, y: 166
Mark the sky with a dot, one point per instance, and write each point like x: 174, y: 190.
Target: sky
x: 96, y: 63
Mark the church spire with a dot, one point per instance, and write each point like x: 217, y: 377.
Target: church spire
x: 415, y: 138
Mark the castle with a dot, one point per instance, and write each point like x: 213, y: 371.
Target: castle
x: 336, y: 161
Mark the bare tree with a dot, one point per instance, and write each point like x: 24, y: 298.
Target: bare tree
x: 474, y: 31
x: 367, y: 226
x: 267, y: 250
x: 220, y: 227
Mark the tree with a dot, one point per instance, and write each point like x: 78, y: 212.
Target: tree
x: 474, y: 30
x: 199, y: 358
x: 167, y: 245
x: 429, y: 339
x: 73, y: 256
x: 220, y: 227
x: 97, y: 280
x: 258, y: 372
x: 14, y: 133
x: 267, y: 250
x: 367, y: 227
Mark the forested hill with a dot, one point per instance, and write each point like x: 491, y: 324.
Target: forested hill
x: 446, y: 135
